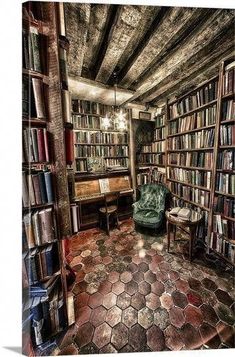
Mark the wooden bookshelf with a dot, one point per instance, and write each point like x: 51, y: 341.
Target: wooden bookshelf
x: 51, y: 121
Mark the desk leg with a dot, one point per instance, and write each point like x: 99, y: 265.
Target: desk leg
x: 191, y: 242
x: 168, y: 227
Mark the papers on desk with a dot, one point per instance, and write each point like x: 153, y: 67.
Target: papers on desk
x: 104, y: 185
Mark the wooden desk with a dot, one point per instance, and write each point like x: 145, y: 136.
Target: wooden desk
x: 173, y: 222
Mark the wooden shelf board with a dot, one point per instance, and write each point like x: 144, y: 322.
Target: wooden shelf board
x: 221, y: 147
x: 38, y: 206
x: 34, y: 121
x: 102, y: 144
x: 228, y: 121
x: 44, y: 244
x: 32, y: 73
x: 226, y: 171
x: 102, y: 130
x: 191, y: 202
x: 224, y: 217
x: 228, y: 95
x: 104, y: 157
x: 194, y: 110
x: 224, y: 194
x: 157, y: 140
x: 190, y: 185
x: 191, y: 131
x: 190, y: 167
x: 196, y: 149
x: 159, y: 127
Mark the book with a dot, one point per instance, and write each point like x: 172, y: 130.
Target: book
x: 39, y: 98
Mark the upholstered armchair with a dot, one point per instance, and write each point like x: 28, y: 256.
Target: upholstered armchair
x: 149, y: 210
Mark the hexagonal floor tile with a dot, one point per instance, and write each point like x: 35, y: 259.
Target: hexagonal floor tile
x: 209, y: 314
x: 226, y: 334
x: 176, y: 316
x: 119, y: 336
x: 173, y: 338
x: 113, y: 316
x: 145, y: 317
x: 182, y: 285
x: 95, y: 300
x: 223, y: 297
x: 138, y: 301
x: 193, y: 316
x: 155, y: 339
x: 143, y: 267
x: 225, y: 314
x: 152, y: 301
x: 102, y: 335
x: 126, y: 276
x: 105, y: 287
x: 132, y: 267
x: 179, y: 299
x: 150, y: 277
x: 191, y: 337
x: 98, y: 316
x: 209, y: 284
x: 84, y: 334
x: 129, y: 316
x: 173, y: 275
x: 195, y: 284
x: 118, y: 288
x: 166, y: 301
x: 137, y: 337
x: 81, y: 300
x: 108, y: 349
x: 209, y: 336
x: 113, y: 277
x: 131, y: 287
x: 83, y: 315
x: 144, y: 288
x: 109, y: 300
x: 161, y: 318
x: 157, y: 288
x: 138, y: 276
x: 70, y: 350
x: 123, y: 300
x: 194, y: 298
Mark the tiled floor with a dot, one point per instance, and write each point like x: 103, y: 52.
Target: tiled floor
x: 131, y: 295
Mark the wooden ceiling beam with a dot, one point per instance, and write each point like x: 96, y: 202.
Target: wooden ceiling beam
x: 173, y: 24
x: 77, y: 19
x: 201, y: 38
x: 204, y: 58
x: 127, y: 21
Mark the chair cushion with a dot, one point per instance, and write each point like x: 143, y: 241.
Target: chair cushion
x: 110, y: 209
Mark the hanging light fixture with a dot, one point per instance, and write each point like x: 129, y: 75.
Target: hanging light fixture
x: 116, y: 119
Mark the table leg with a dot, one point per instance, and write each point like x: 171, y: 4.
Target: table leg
x: 168, y: 227
x: 191, y: 241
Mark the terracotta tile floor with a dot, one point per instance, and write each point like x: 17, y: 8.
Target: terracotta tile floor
x: 131, y: 295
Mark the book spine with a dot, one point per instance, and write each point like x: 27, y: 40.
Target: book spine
x: 48, y: 183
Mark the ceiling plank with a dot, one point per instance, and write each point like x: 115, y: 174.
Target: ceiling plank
x: 127, y: 21
x: 207, y: 56
x: 77, y: 20
x: 200, y: 39
x: 170, y: 28
x: 97, y: 26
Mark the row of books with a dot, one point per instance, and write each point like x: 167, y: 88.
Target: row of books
x: 229, y: 79
x: 39, y: 227
x: 226, y: 160
x: 85, y: 121
x: 87, y: 107
x: 47, y: 315
x: 191, y: 194
x: 41, y: 263
x: 157, y: 159
x: 154, y: 147
x: 33, y: 98
x: 227, y: 134
x: 195, y: 177
x: 93, y: 151
x: 201, y: 139
x: 81, y: 165
x: 224, y: 205
x: 88, y: 137
x: 228, y: 110
x: 159, y: 121
x: 74, y: 208
x: 193, y: 159
x: 160, y: 133
x: 224, y: 227
x: 202, y: 96
x: 152, y: 175
x: 37, y: 188
x: 222, y: 246
x: 35, y: 145
x: 225, y: 183
x: 32, y: 49
x: 197, y: 120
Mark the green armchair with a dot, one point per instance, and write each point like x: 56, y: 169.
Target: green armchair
x: 149, y: 210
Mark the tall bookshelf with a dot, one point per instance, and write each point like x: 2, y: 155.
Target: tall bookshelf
x: 221, y: 231
x: 45, y: 297
x: 98, y: 143
x: 195, y: 122
x: 151, y: 158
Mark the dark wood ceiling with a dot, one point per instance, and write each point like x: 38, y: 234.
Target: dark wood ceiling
x: 157, y: 52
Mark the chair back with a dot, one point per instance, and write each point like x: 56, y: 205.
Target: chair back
x: 153, y: 195
x: 111, y: 198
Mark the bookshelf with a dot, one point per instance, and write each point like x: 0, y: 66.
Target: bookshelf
x: 191, y: 122
x: 45, y: 296
x: 200, y: 149
x: 221, y: 231
x: 98, y: 144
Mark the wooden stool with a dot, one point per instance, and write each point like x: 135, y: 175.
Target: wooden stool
x: 110, y: 208
x: 173, y: 222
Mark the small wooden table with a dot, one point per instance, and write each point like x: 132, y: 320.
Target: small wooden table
x: 173, y: 222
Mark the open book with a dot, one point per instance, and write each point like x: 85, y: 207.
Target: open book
x: 182, y: 213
